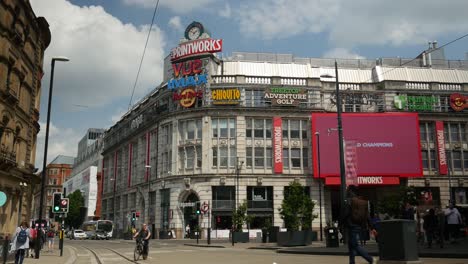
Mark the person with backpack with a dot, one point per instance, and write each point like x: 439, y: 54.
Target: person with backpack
x: 21, y: 242
x: 356, y: 218
x: 430, y: 226
x: 50, y: 240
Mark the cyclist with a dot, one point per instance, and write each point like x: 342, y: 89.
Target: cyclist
x: 144, y: 234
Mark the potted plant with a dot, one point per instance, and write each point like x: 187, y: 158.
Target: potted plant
x: 297, y: 212
x: 239, y: 218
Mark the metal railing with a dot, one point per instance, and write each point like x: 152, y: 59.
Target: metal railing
x: 267, y: 204
x: 223, y: 204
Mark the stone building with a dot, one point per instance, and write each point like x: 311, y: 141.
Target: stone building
x: 23, y: 40
x: 220, y: 131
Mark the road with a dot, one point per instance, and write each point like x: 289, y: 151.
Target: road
x: 174, y: 252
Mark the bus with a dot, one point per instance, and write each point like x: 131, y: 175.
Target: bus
x: 92, y: 228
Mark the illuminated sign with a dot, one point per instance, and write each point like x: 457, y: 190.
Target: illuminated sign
x: 366, y: 180
x: 286, y: 96
x: 187, y: 81
x: 225, y: 96
x: 458, y: 102
x: 187, y: 97
x: 196, y: 47
x: 415, y: 103
x: 187, y: 68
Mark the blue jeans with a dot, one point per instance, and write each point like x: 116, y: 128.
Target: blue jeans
x: 353, y: 245
x: 19, y: 256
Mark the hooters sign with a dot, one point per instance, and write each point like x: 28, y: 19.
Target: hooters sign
x: 278, y: 144
x: 443, y: 170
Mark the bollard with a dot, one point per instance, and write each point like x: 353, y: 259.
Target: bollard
x: 209, y: 235
x: 61, y: 242
x: 5, y: 250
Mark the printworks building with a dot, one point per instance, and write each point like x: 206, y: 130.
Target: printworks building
x: 247, y: 125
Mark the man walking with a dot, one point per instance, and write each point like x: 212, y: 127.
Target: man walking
x: 145, y: 235
x: 453, y: 222
x: 356, y: 217
x: 21, y: 242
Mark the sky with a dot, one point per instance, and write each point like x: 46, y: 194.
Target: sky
x: 104, y: 40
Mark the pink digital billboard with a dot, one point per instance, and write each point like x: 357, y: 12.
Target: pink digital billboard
x: 387, y: 144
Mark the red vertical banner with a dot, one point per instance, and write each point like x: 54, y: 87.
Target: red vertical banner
x: 351, y: 162
x: 130, y: 156
x: 115, y: 170
x: 278, y: 144
x: 147, y: 167
x: 443, y: 169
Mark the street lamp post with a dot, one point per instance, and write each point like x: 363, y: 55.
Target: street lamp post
x: 340, y: 140
x: 44, y: 161
x: 317, y: 134
x: 23, y: 185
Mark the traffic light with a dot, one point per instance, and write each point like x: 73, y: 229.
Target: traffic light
x: 134, y: 216
x: 198, y: 211
x: 57, y: 205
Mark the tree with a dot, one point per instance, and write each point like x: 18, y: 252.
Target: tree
x: 74, y: 217
x: 297, y: 208
x: 239, y: 217
x: 393, y: 203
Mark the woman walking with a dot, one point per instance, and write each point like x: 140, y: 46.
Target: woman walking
x: 21, y: 242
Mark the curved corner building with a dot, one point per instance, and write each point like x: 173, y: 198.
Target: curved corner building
x: 218, y: 132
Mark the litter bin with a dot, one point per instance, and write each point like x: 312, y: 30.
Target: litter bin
x: 397, y: 240
x: 332, y: 237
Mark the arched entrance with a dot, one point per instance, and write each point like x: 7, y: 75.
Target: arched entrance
x: 191, y: 218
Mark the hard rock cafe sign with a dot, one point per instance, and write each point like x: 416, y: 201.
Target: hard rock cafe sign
x: 187, y: 97
x: 458, y: 102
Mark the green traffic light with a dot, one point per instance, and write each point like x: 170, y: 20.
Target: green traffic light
x: 56, y: 208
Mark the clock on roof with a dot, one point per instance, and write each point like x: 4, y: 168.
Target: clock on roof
x: 194, y: 31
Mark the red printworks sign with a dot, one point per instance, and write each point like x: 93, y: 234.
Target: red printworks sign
x: 387, y: 144
x: 278, y: 144
x: 196, y: 47
x: 443, y: 170
x: 366, y: 180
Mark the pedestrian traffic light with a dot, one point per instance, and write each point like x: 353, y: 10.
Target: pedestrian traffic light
x: 134, y: 215
x: 198, y: 211
x: 64, y: 205
x: 57, y: 199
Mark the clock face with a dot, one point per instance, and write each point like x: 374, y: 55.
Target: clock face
x: 194, y: 31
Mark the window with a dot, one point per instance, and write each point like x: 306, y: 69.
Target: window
x: 456, y: 159
x: 261, y: 128
x: 223, y: 127
x: 254, y: 98
x: 295, y: 129
x: 425, y: 159
x: 286, y: 158
x: 295, y: 158
x: 190, y: 129
x: 422, y: 131
x: 465, y: 158
x: 433, y: 159
x: 455, y: 132
x: 190, y: 157
x: 224, y: 156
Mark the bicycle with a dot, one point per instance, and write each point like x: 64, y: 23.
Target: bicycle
x: 138, y: 249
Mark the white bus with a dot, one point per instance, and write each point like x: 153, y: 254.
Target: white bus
x: 100, y: 229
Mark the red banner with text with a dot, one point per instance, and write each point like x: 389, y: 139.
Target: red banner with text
x: 278, y: 144
x: 443, y: 170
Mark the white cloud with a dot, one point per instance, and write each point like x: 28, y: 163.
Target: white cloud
x: 176, y: 6
x: 176, y: 23
x: 341, y: 53
x: 62, y: 141
x: 104, y: 54
x: 352, y: 23
x: 226, y: 11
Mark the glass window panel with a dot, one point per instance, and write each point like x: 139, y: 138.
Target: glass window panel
x: 446, y: 132
x: 454, y: 132
x: 259, y: 157
x: 456, y: 157
x: 232, y: 157
x: 296, y: 158
x: 294, y: 128
x: 431, y: 132
x: 463, y: 129
x: 268, y: 128
x: 286, y: 158
x: 304, y: 129
x: 433, y: 159
x: 305, y: 158
x: 199, y: 156
x: 249, y: 156
x: 191, y: 127
x: 248, y: 131
x: 223, y: 157
x: 258, y: 125
x: 425, y: 159
x: 214, y: 127
x: 285, y: 129
x: 223, y: 128
x: 422, y: 131
x: 215, y: 157
x: 269, y: 157
x: 232, y: 127
x: 199, y: 129
x: 465, y: 158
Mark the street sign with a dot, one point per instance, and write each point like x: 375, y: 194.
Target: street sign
x: 205, y: 207
x: 64, y: 205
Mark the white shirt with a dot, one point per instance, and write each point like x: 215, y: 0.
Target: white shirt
x: 453, y: 216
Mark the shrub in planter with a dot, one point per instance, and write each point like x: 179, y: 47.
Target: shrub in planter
x: 297, y: 212
x: 239, y: 218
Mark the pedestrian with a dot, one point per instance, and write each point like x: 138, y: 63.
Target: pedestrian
x: 144, y: 234
x: 50, y: 240
x: 32, y: 241
x: 21, y: 242
x: 454, y: 221
x: 356, y: 217
x: 375, y: 225
x: 441, y: 222
x: 187, y: 231
x: 430, y: 226
x: 43, y: 238
x: 408, y: 212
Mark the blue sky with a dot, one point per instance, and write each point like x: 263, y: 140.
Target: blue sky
x: 104, y: 40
